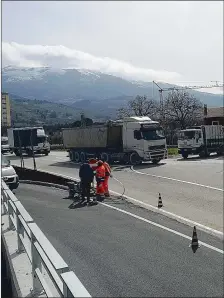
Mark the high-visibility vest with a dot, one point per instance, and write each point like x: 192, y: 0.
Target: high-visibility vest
x: 100, y: 172
x: 107, y: 168
x: 93, y: 163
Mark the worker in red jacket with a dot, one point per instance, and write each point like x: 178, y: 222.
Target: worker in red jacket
x: 107, y: 176
x: 100, y: 178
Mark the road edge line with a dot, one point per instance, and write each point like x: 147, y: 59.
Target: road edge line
x: 162, y: 227
x: 177, y: 180
x: 152, y: 208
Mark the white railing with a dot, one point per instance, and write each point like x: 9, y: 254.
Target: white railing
x: 50, y: 273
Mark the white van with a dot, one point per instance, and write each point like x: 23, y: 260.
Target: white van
x: 9, y: 174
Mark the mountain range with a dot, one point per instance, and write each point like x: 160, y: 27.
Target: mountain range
x: 99, y: 95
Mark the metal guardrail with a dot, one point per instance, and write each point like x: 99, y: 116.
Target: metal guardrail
x: 50, y: 273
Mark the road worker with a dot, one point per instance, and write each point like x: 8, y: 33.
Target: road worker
x: 86, y: 178
x: 93, y: 164
x: 100, y: 178
x: 107, y: 175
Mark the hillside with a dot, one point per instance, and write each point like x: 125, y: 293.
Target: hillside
x: 36, y: 112
x: 67, y: 92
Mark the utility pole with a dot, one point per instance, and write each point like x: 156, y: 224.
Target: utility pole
x: 83, y: 121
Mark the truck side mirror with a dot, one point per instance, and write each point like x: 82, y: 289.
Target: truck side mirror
x: 137, y: 135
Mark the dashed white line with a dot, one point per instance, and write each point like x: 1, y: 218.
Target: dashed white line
x: 177, y: 180
x: 164, y: 212
x: 162, y: 227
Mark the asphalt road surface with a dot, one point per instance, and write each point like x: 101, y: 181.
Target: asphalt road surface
x: 117, y: 255
x: 192, y: 189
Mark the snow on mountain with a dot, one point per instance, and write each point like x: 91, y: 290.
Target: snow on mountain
x: 69, y: 85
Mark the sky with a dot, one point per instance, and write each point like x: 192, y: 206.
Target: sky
x: 172, y: 41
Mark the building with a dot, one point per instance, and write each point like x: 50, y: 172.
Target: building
x: 5, y: 108
x: 214, y: 116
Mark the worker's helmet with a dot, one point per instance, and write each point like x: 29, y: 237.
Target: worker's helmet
x: 99, y: 162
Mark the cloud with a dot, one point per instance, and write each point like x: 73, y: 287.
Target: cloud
x: 62, y: 57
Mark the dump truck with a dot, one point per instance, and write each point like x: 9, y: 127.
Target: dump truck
x: 201, y: 140
x: 5, y: 145
x: 27, y: 138
x: 129, y: 141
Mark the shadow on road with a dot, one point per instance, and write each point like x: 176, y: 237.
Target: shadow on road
x: 81, y: 204
x: 13, y: 157
x: 65, y: 164
x: 148, y: 166
x: 198, y: 158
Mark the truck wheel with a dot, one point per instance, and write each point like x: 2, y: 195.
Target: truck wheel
x: 46, y: 153
x: 76, y: 157
x: 71, y: 155
x: 82, y: 157
x: 135, y: 159
x: 29, y: 152
x: 156, y: 161
x: 125, y: 159
x: 185, y: 155
x: 17, y: 152
x: 202, y: 154
x: 104, y: 156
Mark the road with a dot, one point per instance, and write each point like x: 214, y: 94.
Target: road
x: 117, y: 255
x: 192, y: 189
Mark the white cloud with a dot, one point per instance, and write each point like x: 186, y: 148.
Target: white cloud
x: 62, y: 57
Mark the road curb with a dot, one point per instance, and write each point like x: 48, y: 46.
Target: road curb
x: 44, y: 184
x: 136, y: 202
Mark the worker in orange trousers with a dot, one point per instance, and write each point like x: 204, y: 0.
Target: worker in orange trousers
x: 107, y: 176
x: 100, y: 179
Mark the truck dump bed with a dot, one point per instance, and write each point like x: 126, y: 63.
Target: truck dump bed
x: 92, y: 137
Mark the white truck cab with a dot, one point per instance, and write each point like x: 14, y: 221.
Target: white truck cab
x: 145, y: 138
x: 19, y: 135
x: 201, y: 140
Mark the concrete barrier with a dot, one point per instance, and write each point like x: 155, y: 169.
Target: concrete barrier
x: 40, y: 271
x: 34, y: 175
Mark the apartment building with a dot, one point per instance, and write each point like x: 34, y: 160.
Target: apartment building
x: 5, y: 110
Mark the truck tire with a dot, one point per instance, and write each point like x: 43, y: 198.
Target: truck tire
x: 202, y: 154
x: 76, y: 156
x: 29, y: 152
x: 46, y: 153
x: 185, y: 155
x: 71, y: 155
x: 105, y: 156
x: 17, y: 152
x: 82, y: 157
x: 125, y: 159
x: 134, y: 159
x: 155, y: 161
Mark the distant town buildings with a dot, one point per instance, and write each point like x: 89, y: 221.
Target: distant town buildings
x: 214, y: 116
x: 5, y: 108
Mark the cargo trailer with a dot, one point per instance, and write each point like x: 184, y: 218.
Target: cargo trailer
x: 130, y: 140
x: 201, y: 140
x: 25, y: 138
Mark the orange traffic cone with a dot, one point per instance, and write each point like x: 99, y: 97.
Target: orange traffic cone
x: 194, y: 242
x: 160, y: 203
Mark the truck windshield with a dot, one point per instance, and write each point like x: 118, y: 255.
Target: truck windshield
x: 187, y: 135
x: 156, y: 134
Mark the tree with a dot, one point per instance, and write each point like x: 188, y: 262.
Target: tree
x: 181, y: 109
x: 140, y: 106
x: 53, y: 114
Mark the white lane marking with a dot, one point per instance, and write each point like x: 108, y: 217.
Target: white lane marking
x: 174, y: 179
x: 172, y: 215
x: 162, y: 227
x: 169, y: 214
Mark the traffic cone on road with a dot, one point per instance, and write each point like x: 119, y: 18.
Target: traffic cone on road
x: 194, y: 242
x: 160, y: 203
